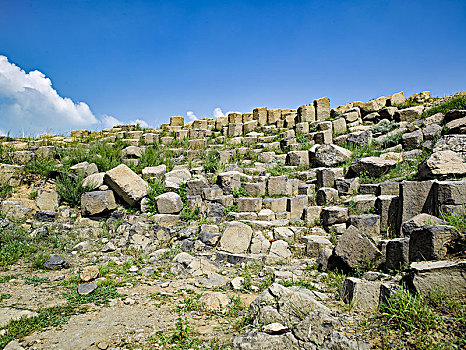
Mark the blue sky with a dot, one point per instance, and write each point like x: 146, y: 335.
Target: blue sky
x: 148, y: 60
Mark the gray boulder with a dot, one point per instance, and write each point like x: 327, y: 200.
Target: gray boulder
x: 127, y: 184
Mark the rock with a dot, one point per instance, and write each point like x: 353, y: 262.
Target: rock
x: 213, y: 280
x: 89, y: 273
x: 237, y: 283
x: 387, y: 208
x: 127, y: 184
x: 47, y: 200
x: 15, y: 210
x: 372, y: 166
x: 449, y: 197
x: 409, y: 114
x: 369, y: 224
x: 362, y: 295
x: 322, y: 106
x: 109, y: 247
x: 13, y: 345
x: 442, y: 164
x: 455, y: 143
x: 11, y: 174
x: 8, y: 314
x: 154, y: 172
x: 84, y: 169
x: 275, y: 328
x: 97, y: 203
x: 86, y: 288
x: 279, y: 185
x: 334, y: 215
x: 415, y: 197
x: 296, y: 206
x: 236, y: 238
x: 324, y: 258
x: 229, y: 181
x: 397, y: 254
x: 315, y: 244
x: 360, y: 139
x: 417, y: 221
x: 169, y: 203
x: 215, y: 301
x: 297, y: 158
x: 412, y: 140
x: 446, y: 276
x: 429, y: 242
x: 94, y: 181
x: 249, y: 204
x: 256, y: 340
x: 326, y: 195
x: 55, y: 262
x: 187, y: 265
x: 331, y: 155
x: 259, y: 244
x: 354, y: 248
x: 131, y: 152
x: 347, y: 186
x: 279, y: 251
x: 432, y: 131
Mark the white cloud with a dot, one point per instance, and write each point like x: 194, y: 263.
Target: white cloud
x: 142, y: 123
x: 218, y: 113
x: 29, y: 102
x: 109, y: 122
x: 191, y: 116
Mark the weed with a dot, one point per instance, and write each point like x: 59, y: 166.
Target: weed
x: 7, y: 278
x: 211, y: 162
x: 156, y: 189
x: 42, y: 166
x: 101, y: 295
x: 5, y: 191
x: 70, y: 189
x: 384, y: 127
x: 14, y: 244
x: 4, y: 296
x: 239, y: 192
x: 36, y: 280
x: 458, y: 102
x: 32, y: 195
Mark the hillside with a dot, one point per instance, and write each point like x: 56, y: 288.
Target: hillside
x: 307, y: 228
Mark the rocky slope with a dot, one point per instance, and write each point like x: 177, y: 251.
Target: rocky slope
x: 309, y: 228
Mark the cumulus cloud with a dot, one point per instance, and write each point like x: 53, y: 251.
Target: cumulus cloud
x: 218, y: 113
x: 191, y: 116
x: 29, y: 102
x: 142, y: 123
x: 109, y: 122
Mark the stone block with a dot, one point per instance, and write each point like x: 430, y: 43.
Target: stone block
x: 326, y: 195
x: 415, y: 197
x: 97, y: 203
x: 361, y: 294
x: 277, y: 205
x: 429, y: 242
x: 279, y: 185
x: 334, y: 215
x: 250, y: 204
x: 322, y: 107
x: 236, y: 238
x: 368, y: 224
x: 127, y: 184
x: 397, y: 254
x: 312, y: 214
x: 255, y: 189
x: 387, y: 208
x: 298, y: 158
x: 296, y: 206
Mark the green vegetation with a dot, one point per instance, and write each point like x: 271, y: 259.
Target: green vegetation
x: 408, y: 321
x: 458, y: 102
x: 385, y: 127
x: 211, y: 162
x: 239, y: 192
x: 70, y: 189
x: 156, y: 189
x: 36, y: 280
x: 5, y: 191
x: 41, y: 166
x: 14, y: 244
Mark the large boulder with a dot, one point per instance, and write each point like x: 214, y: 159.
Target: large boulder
x: 236, y: 238
x: 430, y: 242
x: 355, y: 249
x: 455, y: 143
x: 447, y: 276
x: 442, y: 164
x: 169, y: 203
x: 97, y: 203
x: 127, y: 184
x: 331, y: 155
x: 372, y: 166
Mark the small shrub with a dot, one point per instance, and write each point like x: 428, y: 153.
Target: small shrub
x: 211, y: 162
x: 32, y: 195
x: 407, y: 312
x: 70, y: 189
x: 239, y: 192
x: 41, y: 166
x: 5, y: 191
x: 156, y: 189
x: 458, y: 102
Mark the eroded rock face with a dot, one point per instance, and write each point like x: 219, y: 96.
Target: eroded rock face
x: 372, y: 166
x: 236, y: 238
x: 354, y: 248
x: 169, y: 203
x: 442, y: 164
x: 127, y: 184
x: 97, y: 203
x: 331, y: 155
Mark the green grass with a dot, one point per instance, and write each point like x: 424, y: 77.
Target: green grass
x: 5, y: 191
x: 15, y: 243
x: 36, y: 280
x: 239, y: 192
x: 408, y: 103
x: 211, y: 162
x: 156, y: 189
x: 385, y: 127
x: 458, y: 102
x: 42, y: 166
x: 70, y: 189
